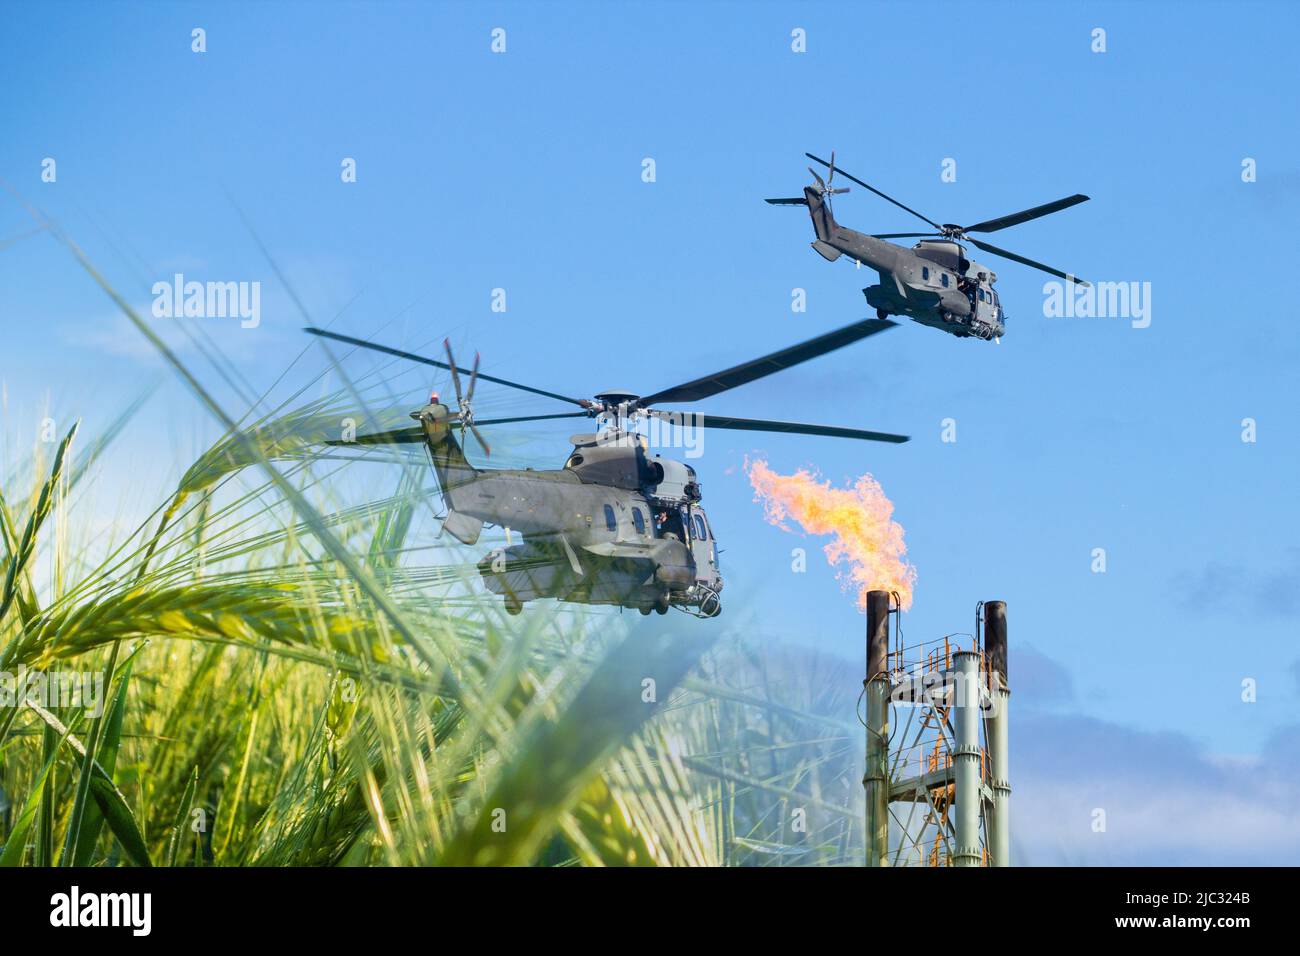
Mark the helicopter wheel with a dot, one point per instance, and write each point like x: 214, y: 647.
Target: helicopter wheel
x: 645, y: 611
x: 661, y: 604
x: 882, y: 314
x: 514, y: 606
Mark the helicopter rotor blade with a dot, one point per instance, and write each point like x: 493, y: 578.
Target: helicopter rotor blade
x: 775, y: 362
x: 787, y: 202
x: 528, y: 418
x: 820, y: 182
x: 473, y: 380
x: 767, y: 425
x: 867, y: 186
x: 455, y: 381
x: 414, y: 434
x: 398, y: 436
x: 455, y: 376
x: 1029, y: 262
x: 473, y: 430
x: 1015, y: 218
x: 906, y: 235
x: 411, y: 356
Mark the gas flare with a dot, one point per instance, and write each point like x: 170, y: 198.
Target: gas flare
x: 860, y: 518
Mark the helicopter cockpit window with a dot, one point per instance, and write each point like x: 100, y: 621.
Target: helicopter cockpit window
x: 925, y: 273
x: 638, y: 520
x: 700, y: 531
x: 610, y: 522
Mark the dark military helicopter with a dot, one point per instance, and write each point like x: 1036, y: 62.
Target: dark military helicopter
x: 933, y: 282
x: 618, y: 524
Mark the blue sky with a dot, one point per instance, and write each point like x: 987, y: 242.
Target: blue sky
x: 523, y: 171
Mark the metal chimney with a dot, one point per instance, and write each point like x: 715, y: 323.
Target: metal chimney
x: 995, y: 731
x: 876, y: 685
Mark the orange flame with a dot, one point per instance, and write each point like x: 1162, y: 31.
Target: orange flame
x: 861, y: 519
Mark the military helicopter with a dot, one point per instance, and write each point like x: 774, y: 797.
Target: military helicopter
x: 618, y: 524
x: 932, y: 283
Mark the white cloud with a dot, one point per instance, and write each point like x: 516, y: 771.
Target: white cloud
x: 115, y: 334
x: 1150, y: 821
x: 1166, y: 800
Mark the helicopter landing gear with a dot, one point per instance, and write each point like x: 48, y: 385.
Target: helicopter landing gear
x: 882, y: 314
x: 513, y: 605
x: 645, y: 611
x: 661, y: 604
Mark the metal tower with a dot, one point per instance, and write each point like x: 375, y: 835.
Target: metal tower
x: 937, y: 791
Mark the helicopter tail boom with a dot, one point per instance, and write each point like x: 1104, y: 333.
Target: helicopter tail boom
x: 452, y: 468
x: 819, y: 210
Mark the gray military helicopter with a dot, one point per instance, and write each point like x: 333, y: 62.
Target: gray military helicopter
x: 617, y: 524
x: 932, y: 283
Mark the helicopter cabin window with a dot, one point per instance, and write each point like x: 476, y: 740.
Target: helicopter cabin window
x: 925, y: 273
x: 943, y: 277
x: 700, y: 532
x: 638, y: 520
x: 610, y: 521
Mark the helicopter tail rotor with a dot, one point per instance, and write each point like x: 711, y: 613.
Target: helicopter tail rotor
x: 822, y: 189
x: 464, y: 400
x: 469, y: 398
x: 826, y: 187
x: 830, y: 180
x: 817, y: 197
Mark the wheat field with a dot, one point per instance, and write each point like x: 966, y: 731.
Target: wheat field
x: 292, y: 679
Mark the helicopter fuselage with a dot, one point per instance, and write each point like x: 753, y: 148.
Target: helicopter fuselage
x: 615, y: 525
x: 932, y: 283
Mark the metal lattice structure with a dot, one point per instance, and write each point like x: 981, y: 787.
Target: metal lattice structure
x: 936, y: 718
